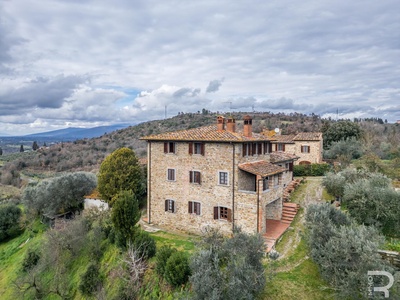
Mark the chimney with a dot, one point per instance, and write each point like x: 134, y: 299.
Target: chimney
x: 230, y: 124
x: 220, y: 123
x: 247, y: 126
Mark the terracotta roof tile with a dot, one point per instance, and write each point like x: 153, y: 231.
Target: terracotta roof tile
x: 262, y: 168
x: 277, y: 156
x: 284, y: 138
x: 206, y: 133
x: 308, y: 136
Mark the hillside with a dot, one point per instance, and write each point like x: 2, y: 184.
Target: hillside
x: 87, y: 154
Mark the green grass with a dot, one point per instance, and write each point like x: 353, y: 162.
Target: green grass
x: 180, y: 242
x: 12, y: 254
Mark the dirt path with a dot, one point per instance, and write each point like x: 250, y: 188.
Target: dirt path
x: 306, y: 194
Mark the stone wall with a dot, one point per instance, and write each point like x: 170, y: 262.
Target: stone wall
x: 218, y: 157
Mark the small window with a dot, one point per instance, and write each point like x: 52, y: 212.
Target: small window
x: 194, y: 208
x: 266, y: 183
x: 222, y: 213
x: 280, y: 147
x: 170, y: 205
x: 171, y: 174
x: 194, y: 177
x: 196, y: 148
x: 267, y: 147
x: 169, y: 147
x: 223, y: 178
x: 305, y: 149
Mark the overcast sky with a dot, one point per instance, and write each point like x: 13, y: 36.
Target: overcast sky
x: 89, y: 63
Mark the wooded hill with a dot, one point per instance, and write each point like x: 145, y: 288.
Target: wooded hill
x: 87, y: 154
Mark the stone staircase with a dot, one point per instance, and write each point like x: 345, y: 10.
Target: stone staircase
x: 289, y: 211
x: 290, y: 188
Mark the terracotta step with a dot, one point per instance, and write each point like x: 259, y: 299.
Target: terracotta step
x: 289, y: 213
x: 286, y: 222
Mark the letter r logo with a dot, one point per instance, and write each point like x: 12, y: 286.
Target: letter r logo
x: 385, y: 288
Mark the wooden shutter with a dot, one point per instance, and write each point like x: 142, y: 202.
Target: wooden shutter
x: 173, y: 205
x: 291, y: 167
x: 165, y: 147
x: 276, y: 147
x: 172, y: 147
x: 190, y: 207
x: 198, y: 207
x: 166, y: 205
x: 244, y: 150
x: 190, y: 148
x: 259, y: 145
x: 250, y: 149
x: 216, y: 212
x: 197, y: 177
x: 308, y: 149
x: 190, y: 176
x: 283, y: 147
x: 229, y: 215
x: 202, y: 148
x: 270, y: 148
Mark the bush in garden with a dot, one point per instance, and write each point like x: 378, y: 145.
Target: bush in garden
x: 177, y: 270
x: 145, y: 244
x: 162, y: 257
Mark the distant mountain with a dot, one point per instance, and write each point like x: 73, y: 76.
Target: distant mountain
x: 74, y: 133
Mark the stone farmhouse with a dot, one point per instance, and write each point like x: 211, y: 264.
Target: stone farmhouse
x: 217, y: 176
x: 307, y: 145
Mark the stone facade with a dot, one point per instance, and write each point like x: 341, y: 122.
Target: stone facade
x: 308, y: 146
x: 208, y: 177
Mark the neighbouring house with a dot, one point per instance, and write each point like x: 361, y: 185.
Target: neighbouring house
x: 308, y: 146
x: 216, y: 176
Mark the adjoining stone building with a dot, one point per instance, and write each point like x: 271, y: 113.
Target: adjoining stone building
x: 216, y: 176
x: 308, y: 146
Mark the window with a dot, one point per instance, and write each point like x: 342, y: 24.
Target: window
x: 194, y: 207
x: 171, y: 174
x: 194, y: 177
x: 222, y: 213
x: 170, y: 205
x: 280, y: 147
x: 250, y: 149
x: 267, y: 147
x: 266, y: 183
x: 196, y: 148
x: 223, y: 178
x: 305, y: 149
x: 169, y: 147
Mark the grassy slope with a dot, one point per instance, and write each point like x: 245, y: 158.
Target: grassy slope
x: 296, y: 275
x: 12, y: 253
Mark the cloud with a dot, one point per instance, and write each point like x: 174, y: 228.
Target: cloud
x: 313, y: 57
x: 214, y: 85
x: 38, y: 93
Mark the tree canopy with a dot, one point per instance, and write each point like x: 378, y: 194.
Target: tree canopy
x: 228, y: 268
x: 341, y: 130
x: 120, y: 171
x: 9, y: 221
x: 60, y: 194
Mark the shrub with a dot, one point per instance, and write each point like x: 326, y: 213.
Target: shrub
x: 161, y: 258
x: 30, y: 260
x: 145, y: 244
x: 311, y: 170
x: 90, y: 280
x: 177, y: 270
x: 9, y: 221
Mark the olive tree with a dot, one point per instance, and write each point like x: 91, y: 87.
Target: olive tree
x: 60, y: 194
x: 228, y: 268
x: 120, y: 171
x: 343, y: 250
